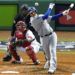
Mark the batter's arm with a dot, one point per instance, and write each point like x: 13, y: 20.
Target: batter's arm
x: 60, y: 14
x: 56, y: 16
x: 51, y: 5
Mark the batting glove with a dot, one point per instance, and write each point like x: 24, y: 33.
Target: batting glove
x: 51, y: 5
x: 66, y: 12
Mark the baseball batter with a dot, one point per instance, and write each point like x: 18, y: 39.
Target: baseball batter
x: 49, y: 37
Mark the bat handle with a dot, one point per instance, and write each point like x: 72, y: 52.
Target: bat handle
x: 69, y: 9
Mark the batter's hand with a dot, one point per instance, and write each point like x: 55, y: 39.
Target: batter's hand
x: 66, y: 12
x: 51, y: 5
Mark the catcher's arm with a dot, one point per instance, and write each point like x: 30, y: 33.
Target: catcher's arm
x: 21, y: 41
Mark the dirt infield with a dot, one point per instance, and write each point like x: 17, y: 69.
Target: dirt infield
x: 66, y: 65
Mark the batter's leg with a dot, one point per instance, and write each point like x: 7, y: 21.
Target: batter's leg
x: 52, y: 48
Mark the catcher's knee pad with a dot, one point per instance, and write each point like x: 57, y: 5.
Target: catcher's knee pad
x: 14, y: 52
x: 31, y: 54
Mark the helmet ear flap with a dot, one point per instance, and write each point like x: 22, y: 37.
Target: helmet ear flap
x: 32, y: 9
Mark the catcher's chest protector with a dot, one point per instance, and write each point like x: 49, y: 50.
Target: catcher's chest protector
x: 22, y: 35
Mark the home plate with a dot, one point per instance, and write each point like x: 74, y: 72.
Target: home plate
x: 9, y: 72
x: 73, y: 73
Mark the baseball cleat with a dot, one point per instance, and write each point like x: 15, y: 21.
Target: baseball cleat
x: 51, y: 71
x: 37, y: 62
x: 7, y: 58
x: 17, y: 61
x: 46, y: 66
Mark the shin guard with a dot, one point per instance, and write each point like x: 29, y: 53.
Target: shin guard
x: 13, y: 52
x: 31, y: 54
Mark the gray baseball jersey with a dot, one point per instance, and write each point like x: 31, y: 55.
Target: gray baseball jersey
x: 49, y: 42
x: 40, y: 25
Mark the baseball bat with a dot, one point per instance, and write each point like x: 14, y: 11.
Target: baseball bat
x: 71, y: 6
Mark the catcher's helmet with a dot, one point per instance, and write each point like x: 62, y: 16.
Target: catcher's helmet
x: 21, y: 25
x: 32, y: 9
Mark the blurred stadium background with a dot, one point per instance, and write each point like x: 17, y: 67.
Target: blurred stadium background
x: 64, y: 28
x: 9, y: 8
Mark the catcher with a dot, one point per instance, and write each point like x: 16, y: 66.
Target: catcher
x: 24, y: 40
x: 21, y: 16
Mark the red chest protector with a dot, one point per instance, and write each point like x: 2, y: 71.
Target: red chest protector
x: 22, y: 35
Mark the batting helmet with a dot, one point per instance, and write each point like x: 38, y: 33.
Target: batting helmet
x: 32, y: 9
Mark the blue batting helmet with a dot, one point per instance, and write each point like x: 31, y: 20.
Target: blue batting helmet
x: 32, y: 9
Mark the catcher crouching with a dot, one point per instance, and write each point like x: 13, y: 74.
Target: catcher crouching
x: 24, y: 41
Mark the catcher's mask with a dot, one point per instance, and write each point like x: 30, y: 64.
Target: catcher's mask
x: 21, y: 25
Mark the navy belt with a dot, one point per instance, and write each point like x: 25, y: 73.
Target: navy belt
x: 47, y: 34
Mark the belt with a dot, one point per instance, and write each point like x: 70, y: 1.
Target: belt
x: 47, y: 34
x: 32, y: 40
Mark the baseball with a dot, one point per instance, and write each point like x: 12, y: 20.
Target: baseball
x: 36, y: 4
x: 72, y: 5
